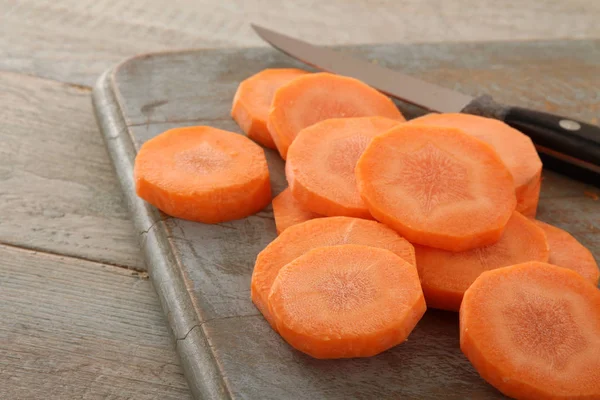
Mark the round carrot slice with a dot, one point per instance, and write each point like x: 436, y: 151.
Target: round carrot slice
x: 330, y: 231
x: 567, y: 252
x: 446, y: 275
x: 436, y: 186
x: 287, y: 211
x: 533, y: 332
x: 203, y: 174
x: 514, y: 148
x: 316, y: 97
x: 253, y: 98
x: 346, y: 301
x: 321, y: 161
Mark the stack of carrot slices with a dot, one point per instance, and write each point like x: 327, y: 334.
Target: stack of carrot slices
x: 383, y: 218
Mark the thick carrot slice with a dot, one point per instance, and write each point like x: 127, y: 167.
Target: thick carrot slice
x: 436, y: 186
x: 532, y: 331
x: 316, y: 97
x: 203, y: 174
x: 330, y: 231
x: 346, y: 301
x: 527, y: 201
x: 514, y: 148
x: 445, y: 275
x: 567, y: 252
x: 287, y: 211
x: 321, y: 161
x: 253, y: 98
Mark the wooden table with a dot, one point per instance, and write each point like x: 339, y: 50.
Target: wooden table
x: 78, y: 315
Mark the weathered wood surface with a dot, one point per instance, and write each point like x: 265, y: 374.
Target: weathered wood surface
x: 73, y: 329
x: 58, y: 192
x: 156, y: 92
x: 76, y: 40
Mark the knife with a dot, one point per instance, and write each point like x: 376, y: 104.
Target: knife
x: 571, y: 142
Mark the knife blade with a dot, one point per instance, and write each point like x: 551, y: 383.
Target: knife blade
x: 567, y: 141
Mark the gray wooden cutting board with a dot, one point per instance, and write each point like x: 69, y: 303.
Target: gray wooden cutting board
x: 202, y: 272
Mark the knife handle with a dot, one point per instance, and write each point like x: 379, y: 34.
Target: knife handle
x: 566, y: 139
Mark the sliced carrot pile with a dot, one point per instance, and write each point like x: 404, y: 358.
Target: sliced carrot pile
x: 514, y: 148
x: 436, y: 186
x: 445, y: 275
x: 346, y: 301
x: 203, y: 174
x: 330, y: 231
x: 567, y: 252
x: 316, y: 97
x: 321, y: 161
x: 253, y: 99
x: 287, y: 211
x: 533, y: 332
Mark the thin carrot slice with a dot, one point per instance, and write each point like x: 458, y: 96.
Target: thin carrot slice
x: 203, y: 174
x: 287, y: 211
x: 253, y: 99
x: 567, y: 252
x: 330, y: 231
x: 346, y: 301
x: 321, y: 161
x: 316, y: 97
x: 514, y: 148
x: 532, y: 331
x: 436, y: 186
x: 445, y: 275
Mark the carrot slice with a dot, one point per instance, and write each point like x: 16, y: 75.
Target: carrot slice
x: 346, y: 301
x: 321, y: 161
x: 253, y: 99
x: 567, y: 252
x: 287, y: 211
x: 203, y: 174
x: 330, y: 231
x: 527, y: 202
x: 446, y: 275
x: 514, y: 148
x: 436, y: 186
x: 533, y: 332
x: 316, y: 97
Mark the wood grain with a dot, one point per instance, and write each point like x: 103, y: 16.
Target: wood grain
x: 58, y: 192
x: 75, y: 40
x: 213, y: 263
x: 74, y: 329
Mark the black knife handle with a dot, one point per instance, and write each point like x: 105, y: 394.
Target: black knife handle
x: 566, y: 139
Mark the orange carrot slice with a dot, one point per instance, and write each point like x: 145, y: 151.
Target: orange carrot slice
x: 203, y: 174
x: 330, y: 231
x: 346, y: 301
x: 533, y: 332
x: 321, y: 161
x: 253, y: 98
x: 514, y: 148
x: 445, y: 276
x: 316, y: 97
x: 436, y: 186
x: 567, y: 252
x: 527, y: 201
x: 287, y: 211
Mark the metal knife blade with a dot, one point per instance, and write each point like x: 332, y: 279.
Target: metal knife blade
x: 396, y: 84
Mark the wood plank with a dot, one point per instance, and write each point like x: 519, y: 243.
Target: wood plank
x: 75, y: 40
x: 76, y: 329
x: 58, y: 192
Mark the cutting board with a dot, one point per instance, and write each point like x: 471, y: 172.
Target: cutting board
x: 202, y: 272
